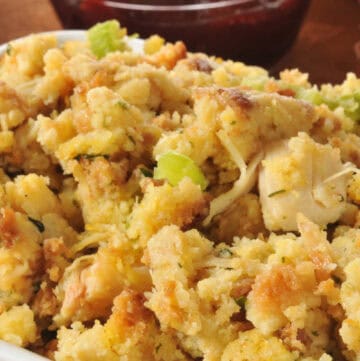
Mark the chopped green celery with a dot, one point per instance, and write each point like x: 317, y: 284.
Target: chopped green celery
x: 351, y: 105
x: 106, y: 37
x: 256, y: 82
x: 349, y: 102
x: 311, y: 95
x: 174, y: 166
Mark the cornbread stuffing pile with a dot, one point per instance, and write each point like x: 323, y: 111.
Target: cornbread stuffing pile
x: 165, y: 205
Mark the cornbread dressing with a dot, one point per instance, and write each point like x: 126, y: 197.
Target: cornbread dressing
x: 101, y: 260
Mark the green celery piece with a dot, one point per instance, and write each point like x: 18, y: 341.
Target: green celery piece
x: 311, y: 95
x: 174, y: 166
x: 351, y: 105
x: 255, y: 82
x: 106, y: 37
x: 349, y: 102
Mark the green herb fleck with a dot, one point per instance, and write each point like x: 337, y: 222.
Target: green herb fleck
x: 131, y: 138
x: 90, y: 156
x: 8, y: 49
x: 36, y: 286
x: 39, y: 225
x: 180, y: 265
x: 283, y: 259
x: 225, y: 253
x: 233, y: 122
x: 241, y: 301
x: 276, y: 193
x: 123, y: 104
x: 315, y: 333
x: 157, y: 347
x: 146, y: 172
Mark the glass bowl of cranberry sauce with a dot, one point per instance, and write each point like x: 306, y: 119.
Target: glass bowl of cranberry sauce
x: 253, y: 31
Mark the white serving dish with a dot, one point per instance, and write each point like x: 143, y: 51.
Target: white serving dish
x: 10, y: 352
x: 13, y: 353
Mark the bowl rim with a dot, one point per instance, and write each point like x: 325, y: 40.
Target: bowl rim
x: 208, y: 5
x: 10, y: 352
x: 136, y: 44
x: 61, y: 35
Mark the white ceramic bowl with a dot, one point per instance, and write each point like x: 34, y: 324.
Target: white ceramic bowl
x: 9, y: 352
x: 13, y: 353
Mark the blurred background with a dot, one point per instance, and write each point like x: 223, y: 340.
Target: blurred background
x: 321, y: 37
x: 253, y: 31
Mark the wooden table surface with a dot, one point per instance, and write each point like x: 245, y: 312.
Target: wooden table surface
x: 325, y: 48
